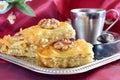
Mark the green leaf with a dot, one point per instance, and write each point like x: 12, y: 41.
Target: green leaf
x: 21, y: 1
x: 25, y: 9
x: 7, y: 9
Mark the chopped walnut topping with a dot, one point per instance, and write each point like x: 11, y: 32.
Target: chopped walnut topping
x: 63, y: 44
x: 49, y: 23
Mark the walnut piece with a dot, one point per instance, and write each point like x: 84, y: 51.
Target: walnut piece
x: 49, y: 23
x: 63, y: 44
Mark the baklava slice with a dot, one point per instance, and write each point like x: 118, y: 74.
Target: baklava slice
x: 48, y: 31
x: 66, y: 53
x: 17, y: 46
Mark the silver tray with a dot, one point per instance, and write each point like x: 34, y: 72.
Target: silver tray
x: 104, y: 54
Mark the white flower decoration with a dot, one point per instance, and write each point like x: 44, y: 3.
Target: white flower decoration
x: 11, y: 18
x: 27, y: 0
x: 3, y: 6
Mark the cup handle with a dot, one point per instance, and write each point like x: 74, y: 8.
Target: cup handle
x: 112, y: 10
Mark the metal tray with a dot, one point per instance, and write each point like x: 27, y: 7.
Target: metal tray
x: 104, y: 54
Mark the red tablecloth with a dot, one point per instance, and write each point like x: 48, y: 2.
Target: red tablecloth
x: 59, y: 9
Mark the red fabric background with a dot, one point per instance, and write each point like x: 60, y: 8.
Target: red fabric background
x: 59, y: 9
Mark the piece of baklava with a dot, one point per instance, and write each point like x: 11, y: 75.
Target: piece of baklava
x: 66, y: 53
x: 48, y: 31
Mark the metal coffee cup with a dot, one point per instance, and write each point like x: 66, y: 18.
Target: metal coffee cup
x: 89, y: 23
